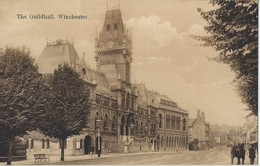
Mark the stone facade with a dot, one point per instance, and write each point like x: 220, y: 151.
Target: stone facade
x: 199, y: 130
x: 127, y: 116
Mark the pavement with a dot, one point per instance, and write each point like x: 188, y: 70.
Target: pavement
x: 216, y: 156
x: 55, y: 159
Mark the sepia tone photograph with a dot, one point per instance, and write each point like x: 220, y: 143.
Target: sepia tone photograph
x: 129, y: 82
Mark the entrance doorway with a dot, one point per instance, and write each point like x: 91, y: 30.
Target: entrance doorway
x: 87, y: 144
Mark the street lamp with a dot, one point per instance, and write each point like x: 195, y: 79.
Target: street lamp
x: 99, y: 138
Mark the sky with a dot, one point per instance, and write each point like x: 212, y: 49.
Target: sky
x: 165, y: 57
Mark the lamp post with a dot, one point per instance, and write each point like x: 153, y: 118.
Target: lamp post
x: 99, y: 138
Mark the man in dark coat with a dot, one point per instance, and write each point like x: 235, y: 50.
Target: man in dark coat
x: 252, y: 155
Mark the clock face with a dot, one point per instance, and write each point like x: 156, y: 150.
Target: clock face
x: 110, y: 44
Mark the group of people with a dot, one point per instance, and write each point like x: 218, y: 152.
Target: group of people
x: 239, y: 152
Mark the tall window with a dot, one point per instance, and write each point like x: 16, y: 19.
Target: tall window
x: 141, y: 128
x: 151, y: 128
x: 160, y: 120
x: 123, y: 101
x: 106, y: 102
x: 184, y: 124
x: 128, y: 101
x: 98, y: 99
x: 173, y: 122
x: 105, y: 122
x: 178, y: 123
x: 108, y: 27
x: 81, y: 143
x: 154, y: 127
x: 43, y: 144
x: 132, y: 103
x: 114, y: 104
x: 115, y: 26
x: 168, y: 121
x: 113, y: 123
x: 48, y: 144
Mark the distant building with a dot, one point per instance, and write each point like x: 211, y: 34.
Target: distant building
x: 199, y: 130
x: 133, y: 119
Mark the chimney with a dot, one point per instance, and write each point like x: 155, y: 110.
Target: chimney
x: 198, y: 113
x: 203, y: 115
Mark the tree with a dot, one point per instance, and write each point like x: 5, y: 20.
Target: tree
x: 233, y: 32
x: 67, y: 107
x: 20, y: 95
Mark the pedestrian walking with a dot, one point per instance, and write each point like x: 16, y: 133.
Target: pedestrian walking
x: 252, y: 155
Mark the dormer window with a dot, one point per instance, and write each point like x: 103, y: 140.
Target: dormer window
x: 108, y: 27
x: 115, y: 26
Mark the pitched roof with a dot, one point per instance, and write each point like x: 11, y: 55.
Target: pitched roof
x: 191, y: 121
x: 142, y: 91
x: 55, y: 54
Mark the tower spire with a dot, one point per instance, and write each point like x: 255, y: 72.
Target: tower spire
x: 118, y: 4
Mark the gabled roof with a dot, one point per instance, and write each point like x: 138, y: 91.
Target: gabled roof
x: 191, y: 121
x: 142, y: 91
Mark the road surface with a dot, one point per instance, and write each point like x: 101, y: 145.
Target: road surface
x: 216, y: 156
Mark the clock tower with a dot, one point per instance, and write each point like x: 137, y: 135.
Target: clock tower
x: 114, y: 48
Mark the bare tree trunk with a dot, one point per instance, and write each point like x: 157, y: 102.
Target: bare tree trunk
x: 62, y: 150
x: 10, y: 149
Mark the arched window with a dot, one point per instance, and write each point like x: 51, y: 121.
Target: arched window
x: 105, y: 123
x: 108, y: 27
x: 48, y: 144
x: 115, y: 26
x: 113, y: 126
x: 43, y: 144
